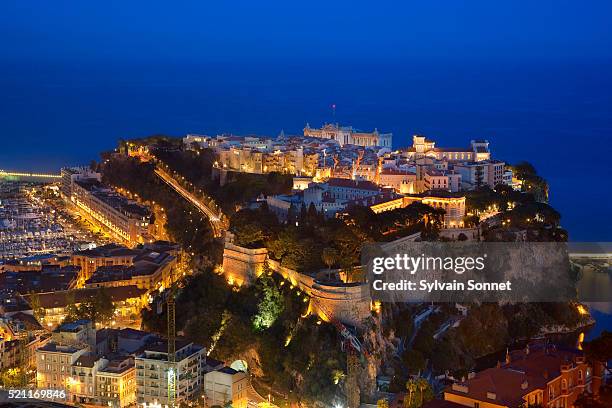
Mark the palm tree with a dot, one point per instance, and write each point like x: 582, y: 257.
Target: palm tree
x: 382, y: 403
x: 329, y: 256
x: 411, y: 387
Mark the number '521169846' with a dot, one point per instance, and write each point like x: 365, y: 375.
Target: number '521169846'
x: 45, y: 394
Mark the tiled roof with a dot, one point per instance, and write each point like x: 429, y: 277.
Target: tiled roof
x: 347, y: 183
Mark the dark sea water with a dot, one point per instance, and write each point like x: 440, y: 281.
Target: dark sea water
x: 557, y: 115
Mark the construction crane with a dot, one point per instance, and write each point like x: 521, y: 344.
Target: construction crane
x: 355, y: 353
x: 171, y: 348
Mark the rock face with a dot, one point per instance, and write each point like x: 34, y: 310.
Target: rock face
x: 346, y: 302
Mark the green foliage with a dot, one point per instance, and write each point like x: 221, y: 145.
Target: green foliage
x: 39, y: 311
x: 394, y: 224
x: 270, y: 304
x: 418, y: 392
x: 243, y: 187
x: 532, y: 183
x: 483, y: 331
x: 12, y: 378
x: 98, y: 308
x: 330, y: 256
x: 253, y: 228
x: 382, y: 403
x: 534, y: 214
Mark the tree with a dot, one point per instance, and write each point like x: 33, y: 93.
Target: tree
x: 98, y: 308
x: 270, y: 305
x: 382, y: 403
x: 12, y: 378
x: 419, y: 392
x: 39, y: 311
x: 330, y: 257
x: 248, y: 235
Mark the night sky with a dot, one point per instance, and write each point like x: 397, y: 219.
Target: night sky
x: 279, y: 30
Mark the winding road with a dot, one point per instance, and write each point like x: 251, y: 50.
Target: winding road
x: 216, y: 220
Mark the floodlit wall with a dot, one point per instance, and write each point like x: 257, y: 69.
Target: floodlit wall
x: 349, y: 303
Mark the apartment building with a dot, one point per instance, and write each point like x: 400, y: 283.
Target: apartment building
x: 128, y: 301
x: 477, y: 174
x: 116, y: 382
x: 545, y: 375
x: 149, y: 271
x: 123, y: 218
x: 71, y: 174
x: 402, y: 181
x: 90, y: 260
x: 65, y: 362
x: 153, y: 371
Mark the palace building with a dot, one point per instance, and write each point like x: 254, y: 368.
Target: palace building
x: 347, y: 135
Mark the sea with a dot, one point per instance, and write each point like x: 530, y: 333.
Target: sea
x: 556, y: 114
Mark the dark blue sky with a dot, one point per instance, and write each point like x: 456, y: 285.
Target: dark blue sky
x: 363, y: 30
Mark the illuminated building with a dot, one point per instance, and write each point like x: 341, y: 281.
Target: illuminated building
x: 56, y: 361
x: 116, y: 383
x: 226, y: 385
x: 435, y: 179
x: 90, y: 260
x: 144, y: 268
x: 71, y: 174
x: 69, y: 361
x: 148, y: 267
x: 54, y: 365
x: 453, y: 205
x: 330, y: 197
x: 483, y: 173
x: 401, y: 181
x: 246, y: 159
x: 123, y: 218
x: 423, y: 147
x: 347, y: 135
x: 545, y: 376
x: 152, y: 372
x: 128, y: 301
